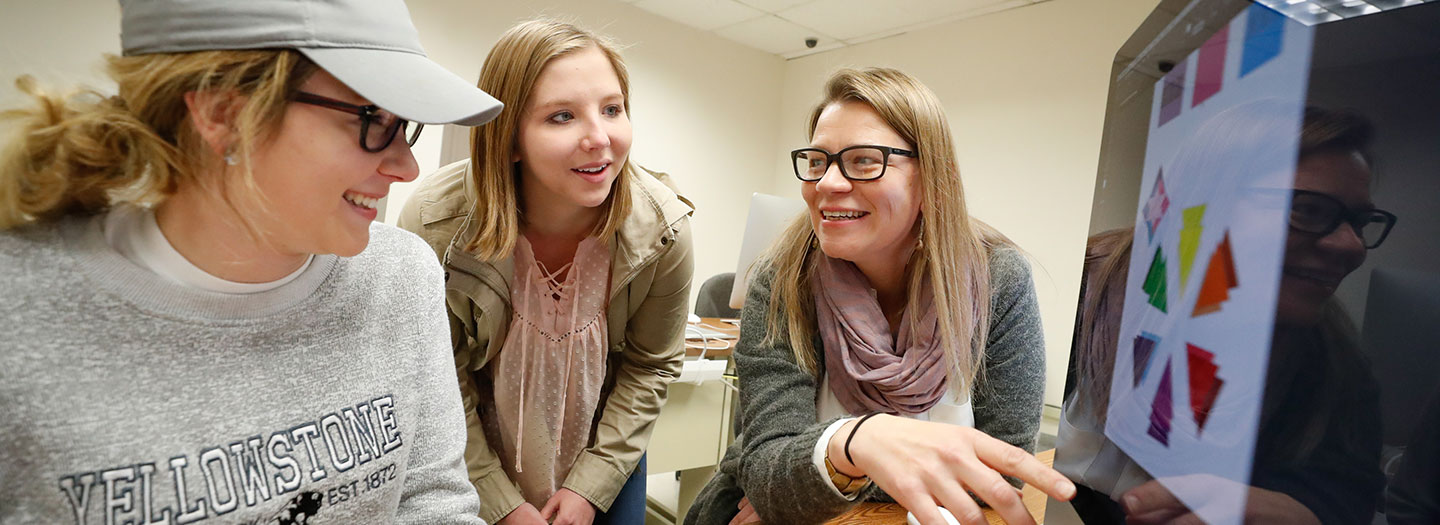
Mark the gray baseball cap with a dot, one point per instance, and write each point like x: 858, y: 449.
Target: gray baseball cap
x: 369, y: 45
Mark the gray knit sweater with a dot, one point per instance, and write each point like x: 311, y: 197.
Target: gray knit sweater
x: 126, y: 398
x: 770, y: 462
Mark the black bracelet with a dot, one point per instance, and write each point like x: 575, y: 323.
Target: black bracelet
x: 853, y: 430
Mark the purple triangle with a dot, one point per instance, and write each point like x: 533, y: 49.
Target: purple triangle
x: 1162, y: 410
x: 1144, y: 349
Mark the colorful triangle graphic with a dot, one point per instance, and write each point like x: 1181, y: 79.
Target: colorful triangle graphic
x: 1157, y: 205
x: 1172, y: 93
x: 1154, y: 286
x: 1264, y: 38
x: 1210, y: 66
x: 1219, y: 279
x: 1145, y: 344
x: 1162, y: 410
x: 1190, y: 241
x: 1204, y: 385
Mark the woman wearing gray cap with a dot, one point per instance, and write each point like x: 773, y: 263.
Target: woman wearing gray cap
x: 201, y: 320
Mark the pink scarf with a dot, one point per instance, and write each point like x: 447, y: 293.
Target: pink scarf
x: 866, y: 370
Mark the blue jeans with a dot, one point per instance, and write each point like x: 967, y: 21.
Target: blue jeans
x: 629, y: 505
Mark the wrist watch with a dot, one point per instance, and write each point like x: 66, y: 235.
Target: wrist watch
x: 846, y: 484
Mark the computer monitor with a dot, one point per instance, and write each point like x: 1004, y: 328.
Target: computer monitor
x: 769, y: 216
x: 1230, y: 345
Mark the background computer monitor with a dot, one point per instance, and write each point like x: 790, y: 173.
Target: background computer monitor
x: 769, y: 216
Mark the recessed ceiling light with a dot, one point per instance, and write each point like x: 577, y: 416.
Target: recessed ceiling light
x: 1315, y: 12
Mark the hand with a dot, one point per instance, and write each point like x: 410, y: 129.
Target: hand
x: 568, y: 508
x: 920, y: 464
x: 525, y: 514
x: 1153, y: 503
x: 747, y: 513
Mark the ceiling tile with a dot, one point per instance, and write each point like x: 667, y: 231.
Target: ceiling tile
x: 847, y: 19
x: 775, y: 6
x: 706, y: 15
x: 979, y: 9
x: 773, y: 35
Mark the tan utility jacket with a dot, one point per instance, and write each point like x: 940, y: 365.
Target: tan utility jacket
x: 651, y: 270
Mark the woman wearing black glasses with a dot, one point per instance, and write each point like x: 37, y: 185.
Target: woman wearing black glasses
x: 892, y: 343
x: 201, y: 318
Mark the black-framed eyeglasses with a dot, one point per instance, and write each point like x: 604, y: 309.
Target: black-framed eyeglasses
x: 1320, y: 214
x: 860, y: 163
x: 377, y: 126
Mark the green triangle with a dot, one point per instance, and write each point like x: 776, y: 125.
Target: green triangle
x: 1155, y: 281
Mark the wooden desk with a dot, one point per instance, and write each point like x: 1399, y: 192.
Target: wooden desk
x: 715, y: 323
x: 894, y: 514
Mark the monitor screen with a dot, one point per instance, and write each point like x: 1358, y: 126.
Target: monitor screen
x: 1258, y: 329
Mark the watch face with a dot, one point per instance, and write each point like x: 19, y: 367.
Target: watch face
x: 846, y: 484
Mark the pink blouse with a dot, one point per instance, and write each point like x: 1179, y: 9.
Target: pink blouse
x: 549, y: 372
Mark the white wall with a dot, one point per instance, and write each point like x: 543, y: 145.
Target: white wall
x: 59, y: 42
x: 1025, y: 93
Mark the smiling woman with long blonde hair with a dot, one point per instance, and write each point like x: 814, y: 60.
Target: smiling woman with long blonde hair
x: 569, y: 276
x: 892, y: 341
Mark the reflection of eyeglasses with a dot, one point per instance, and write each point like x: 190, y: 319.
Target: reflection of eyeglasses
x: 862, y: 162
x: 1320, y: 214
x: 377, y: 126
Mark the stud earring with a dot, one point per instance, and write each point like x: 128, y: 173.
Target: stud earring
x: 230, y: 158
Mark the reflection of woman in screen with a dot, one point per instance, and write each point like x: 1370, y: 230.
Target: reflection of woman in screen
x: 1085, y: 455
x: 1317, y: 450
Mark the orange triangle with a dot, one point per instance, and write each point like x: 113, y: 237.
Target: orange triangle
x: 1219, y: 279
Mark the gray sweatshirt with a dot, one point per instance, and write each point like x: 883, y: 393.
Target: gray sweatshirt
x: 770, y: 461
x: 125, y: 398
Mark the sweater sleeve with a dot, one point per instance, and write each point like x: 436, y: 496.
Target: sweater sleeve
x: 1414, y: 494
x: 1009, y: 395
x: 1338, y: 476
x: 435, y: 487
x: 778, y: 424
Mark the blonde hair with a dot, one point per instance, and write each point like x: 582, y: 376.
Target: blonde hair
x: 955, y: 254
x: 509, y: 75
x: 1102, y: 296
x: 84, y: 152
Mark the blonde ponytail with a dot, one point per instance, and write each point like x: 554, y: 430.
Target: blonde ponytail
x: 82, y: 152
